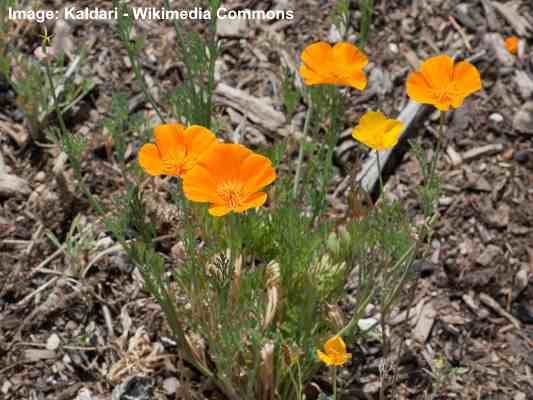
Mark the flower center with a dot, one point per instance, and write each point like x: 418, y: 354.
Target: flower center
x: 231, y: 193
x: 447, y: 94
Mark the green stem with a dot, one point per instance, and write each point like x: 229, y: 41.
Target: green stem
x: 144, y: 88
x: 64, y: 132
x: 438, y: 146
x: 302, y: 145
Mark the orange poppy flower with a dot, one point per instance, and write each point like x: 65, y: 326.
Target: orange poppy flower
x: 229, y: 177
x: 377, y: 132
x: 341, y: 64
x: 335, y: 352
x: 176, y: 149
x: 442, y: 84
x: 511, y: 44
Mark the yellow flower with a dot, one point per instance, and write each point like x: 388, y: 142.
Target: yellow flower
x: 229, y: 177
x: 377, y: 132
x: 335, y: 352
x: 341, y: 64
x: 443, y: 84
x: 511, y: 44
x: 176, y: 149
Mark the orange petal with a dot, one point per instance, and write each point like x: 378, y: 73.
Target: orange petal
x: 170, y: 141
x: 219, y: 211
x: 357, y: 80
x: 456, y: 102
x: 418, y: 88
x: 198, y: 140
x: 347, y: 53
x: 254, y: 201
x: 438, y: 71
x: 310, y: 77
x: 324, y: 358
x: 150, y: 160
x: 511, y: 44
x: 335, y: 345
x: 318, y: 57
x: 199, y: 186
x: 466, y: 78
x: 256, y: 172
x: 223, y: 161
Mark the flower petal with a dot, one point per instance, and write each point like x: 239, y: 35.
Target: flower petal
x: 335, y: 345
x: 219, y: 211
x: 438, y: 71
x: 349, y: 56
x: 324, y: 358
x: 356, y: 80
x: 199, y: 186
x: 311, y: 77
x: 376, y: 131
x: 466, y: 78
x: 223, y: 161
x: 198, y: 140
x: 170, y: 141
x: 150, y: 160
x: 256, y: 172
x: 254, y: 201
x: 418, y: 88
x: 318, y: 57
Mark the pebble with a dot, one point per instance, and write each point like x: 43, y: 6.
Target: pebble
x: 53, y: 342
x: 495, y: 117
x: 489, y: 255
x: 40, y: 176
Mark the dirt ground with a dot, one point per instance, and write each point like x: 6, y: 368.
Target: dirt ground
x: 470, y: 334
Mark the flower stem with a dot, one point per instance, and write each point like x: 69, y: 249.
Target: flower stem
x: 438, y: 146
x: 302, y: 144
x: 97, y: 207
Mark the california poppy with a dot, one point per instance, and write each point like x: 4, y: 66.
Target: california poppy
x: 229, y: 177
x: 443, y: 84
x: 511, y: 44
x: 341, y: 64
x: 376, y: 131
x: 335, y: 352
x: 176, y: 149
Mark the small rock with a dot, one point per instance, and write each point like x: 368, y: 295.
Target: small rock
x: 40, y: 176
x: 496, y: 118
x: 393, y: 47
x: 501, y: 217
x: 11, y: 185
x: 6, y: 386
x: 84, y: 394
x: 523, y: 119
x: 232, y: 27
x: 489, y: 255
x: 371, y: 387
x: 135, y: 388
x: 524, y: 83
x: 53, y: 342
x: 519, y: 396
x: 367, y: 323
x: 170, y: 385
